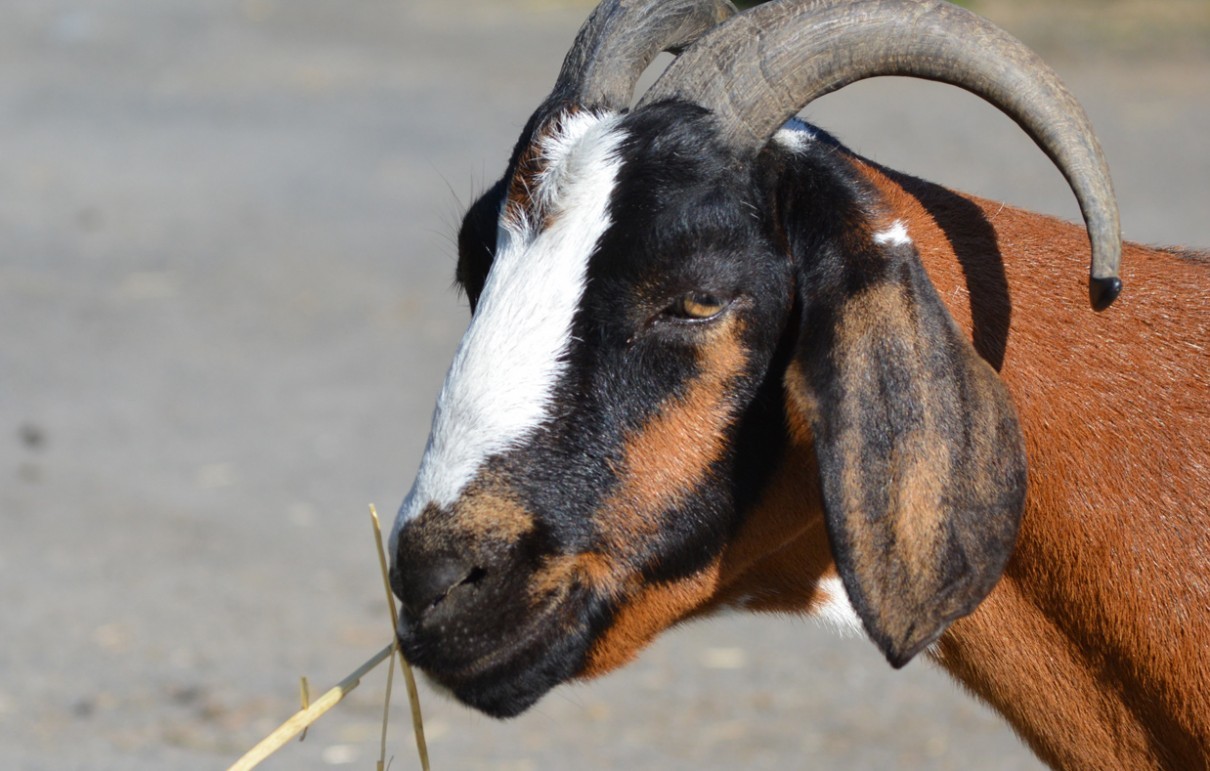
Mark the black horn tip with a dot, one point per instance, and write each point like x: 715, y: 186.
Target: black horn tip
x: 1103, y: 291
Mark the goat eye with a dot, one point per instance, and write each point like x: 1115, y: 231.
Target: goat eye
x: 696, y: 306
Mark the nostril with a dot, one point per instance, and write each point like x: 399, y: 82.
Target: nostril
x: 423, y: 587
x: 476, y: 575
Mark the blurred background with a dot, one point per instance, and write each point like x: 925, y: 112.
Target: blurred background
x: 226, y: 258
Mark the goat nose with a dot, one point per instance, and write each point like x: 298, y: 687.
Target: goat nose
x: 422, y: 587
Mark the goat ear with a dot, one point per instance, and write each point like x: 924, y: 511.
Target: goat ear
x: 920, y: 452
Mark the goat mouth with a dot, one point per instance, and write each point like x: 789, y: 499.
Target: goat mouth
x: 547, y: 650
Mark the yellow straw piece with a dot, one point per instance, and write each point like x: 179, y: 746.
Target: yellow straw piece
x: 303, y: 718
x: 304, y: 695
x: 313, y: 710
x: 408, y: 678
x: 386, y: 710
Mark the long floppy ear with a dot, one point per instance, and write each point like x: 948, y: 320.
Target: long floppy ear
x: 919, y: 448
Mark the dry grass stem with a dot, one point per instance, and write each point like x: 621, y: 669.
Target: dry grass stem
x: 312, y: 710
x: 386, y: 709
x: 304, y: 695
x: 408, y: 677
x: 303, y: 718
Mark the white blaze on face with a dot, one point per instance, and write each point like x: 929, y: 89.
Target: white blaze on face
x: 498, y: 389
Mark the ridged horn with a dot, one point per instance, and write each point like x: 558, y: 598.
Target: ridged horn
x: 763, y: 66
x: 621, y: 38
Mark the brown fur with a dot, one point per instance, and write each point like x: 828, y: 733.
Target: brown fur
x: 556, y: 577
x: 519, y: 203
x: 485, y: 514
x: 1094, y: 644
x: 674, y: 450
x: 670, y: 455
x: 789, y: 515
x: 649, y: 611
x: 489, y: 515
x: 746, y: 574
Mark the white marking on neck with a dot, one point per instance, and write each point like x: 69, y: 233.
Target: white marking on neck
x: 836, y: 610
x: 895, y: 235
x: 795, y: 136
x: 498, y: 388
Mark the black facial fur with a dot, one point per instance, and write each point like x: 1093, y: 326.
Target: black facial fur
x: 477, y: 241
x: 688, y: 217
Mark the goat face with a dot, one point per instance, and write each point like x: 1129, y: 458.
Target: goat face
x: 626, y: 437
x: 607, y: 414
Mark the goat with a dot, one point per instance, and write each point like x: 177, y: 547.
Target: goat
x: 717, y: 360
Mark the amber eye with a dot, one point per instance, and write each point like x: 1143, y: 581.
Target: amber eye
x: 696, y: 306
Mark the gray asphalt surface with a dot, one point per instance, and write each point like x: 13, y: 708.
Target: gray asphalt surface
x: 225, y: 266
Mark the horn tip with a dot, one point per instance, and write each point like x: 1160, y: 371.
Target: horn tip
x: 1102, y: 291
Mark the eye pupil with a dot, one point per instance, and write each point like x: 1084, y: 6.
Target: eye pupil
x: 698, y: 306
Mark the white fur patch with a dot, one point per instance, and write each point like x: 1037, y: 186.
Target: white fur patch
x: 895, y: 235
x: 795, y: 135
x: 498, y: 388
x: 836, y: 610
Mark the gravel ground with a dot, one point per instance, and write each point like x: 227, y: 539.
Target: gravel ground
x: 226, y: 308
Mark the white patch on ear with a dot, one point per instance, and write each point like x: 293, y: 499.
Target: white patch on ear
x: 895, y: 235
x: 836, y: 610
x: 498, y: 388
x: 794, y: 135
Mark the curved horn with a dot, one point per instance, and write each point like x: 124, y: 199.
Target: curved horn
x: 621, y: 38
x: 765, y: 65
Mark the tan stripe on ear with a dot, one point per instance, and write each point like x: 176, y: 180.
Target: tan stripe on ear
x: 917, y: 470
x: 921, y: 509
